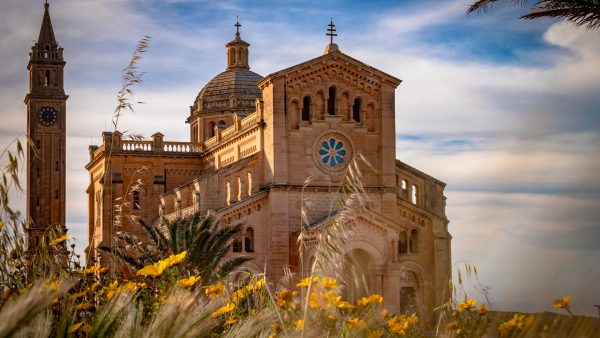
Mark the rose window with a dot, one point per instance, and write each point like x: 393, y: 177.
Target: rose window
x: 333, y: 152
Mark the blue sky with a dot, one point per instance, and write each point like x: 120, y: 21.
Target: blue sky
x: 505, y: 111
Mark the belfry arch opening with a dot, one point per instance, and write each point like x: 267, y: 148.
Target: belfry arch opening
x: 306, y: 109
x: 331, y: 101
x: 356, y: 110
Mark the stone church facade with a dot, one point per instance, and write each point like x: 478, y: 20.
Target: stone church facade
x: 254, y: 141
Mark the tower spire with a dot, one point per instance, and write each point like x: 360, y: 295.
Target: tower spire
x: 46, y: 32
x: 237, y: 50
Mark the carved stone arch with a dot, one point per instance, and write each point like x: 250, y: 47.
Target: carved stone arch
x: 368, y: 246
x: 319, y: 104
x: 294, y: 114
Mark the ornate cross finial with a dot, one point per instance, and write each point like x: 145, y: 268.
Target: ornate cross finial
x: 237, y: 25
x: 331, y: 30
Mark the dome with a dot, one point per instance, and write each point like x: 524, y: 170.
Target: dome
x: 233, y: 90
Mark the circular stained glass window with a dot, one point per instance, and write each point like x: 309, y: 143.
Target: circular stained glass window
x: 333, y: 152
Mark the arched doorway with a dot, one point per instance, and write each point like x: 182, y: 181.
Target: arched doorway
x: 410, y: 295
x: 357, y: 273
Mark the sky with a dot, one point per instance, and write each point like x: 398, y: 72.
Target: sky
x: 505, y: 111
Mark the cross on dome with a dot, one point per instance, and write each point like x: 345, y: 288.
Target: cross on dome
x: 237, y: 25
x: 331, y: 30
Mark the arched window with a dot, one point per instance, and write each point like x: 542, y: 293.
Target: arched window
x: 403, y: 185
x: 211, y: 132
x: 47, y: 78
x: 402, y: 243
x: 222, y: 124
x: 227, y: 193
x: 249, y: 240
x: 237, y: 245
x: 238, y: 188
x: 249, y: 179
x: 331, y: 101
x: 306, y: 109
x: 356, y: 110
x: 413, y: 196
x: 414, y: 241
x: 136, y: 199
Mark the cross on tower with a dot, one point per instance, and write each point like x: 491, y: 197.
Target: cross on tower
x: 237, y: 25
x: 331, y: 30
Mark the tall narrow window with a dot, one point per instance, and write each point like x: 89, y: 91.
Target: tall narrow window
x: 56, y: 194
x: 136, y: 199
x: 211, y: 132
x: 249, y: 240
x: 331, y: 101
x: 414, y: 241
x: 38, y: 145
x: 238, y: 188
x: 356, y: 110
x: 228, y: 193
x: 237, y: 245
x: 47, y: 78
x: 249, y: 178
x: 56, y: 168
x: 413, y: 197
x: 306, y: 109
x: 402, y: 243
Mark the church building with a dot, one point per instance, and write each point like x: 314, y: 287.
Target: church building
x: 253, y: 143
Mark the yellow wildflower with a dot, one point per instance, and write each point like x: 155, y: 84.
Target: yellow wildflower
x: 562, y: 303
x: 260, y: 283
x: 344, y: 305
x: 153, y: 270
x: 452, y: 326
x: 399, y: 324
x: 231, y: 321
x: 87, y: 328
x: 223, y: 310
x: 372, y: 299
x: 92, y: 270
x: 214, y: 291
x: 95, y: 286
x: 54, y: 286
x: 299, y: 324
x: 75, y: 327
x: 84, y: 306
x: 329, y: 283
x: 132, y: 286
x: 274, y: 326
x: 78, y: 295
x: 375, y: 334
x: 188, y: 282
x: 384, y: 313
x: 467, y: 304
x: 304, y: 283
x: 315, y: 299
x: 482, y: 309
x: 285, y: 298
x: 238, y: 295
x: 176, y: 259
x: 59, y: 240
x: 356, y: 323
x: 517, y: 323
x: 110, y: 291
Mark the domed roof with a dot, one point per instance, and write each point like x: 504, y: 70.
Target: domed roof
x: 233, y: 90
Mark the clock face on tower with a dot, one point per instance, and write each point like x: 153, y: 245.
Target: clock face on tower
x: 47, y: 116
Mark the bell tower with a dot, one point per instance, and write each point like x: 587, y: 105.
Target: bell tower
x: 46, y: 128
